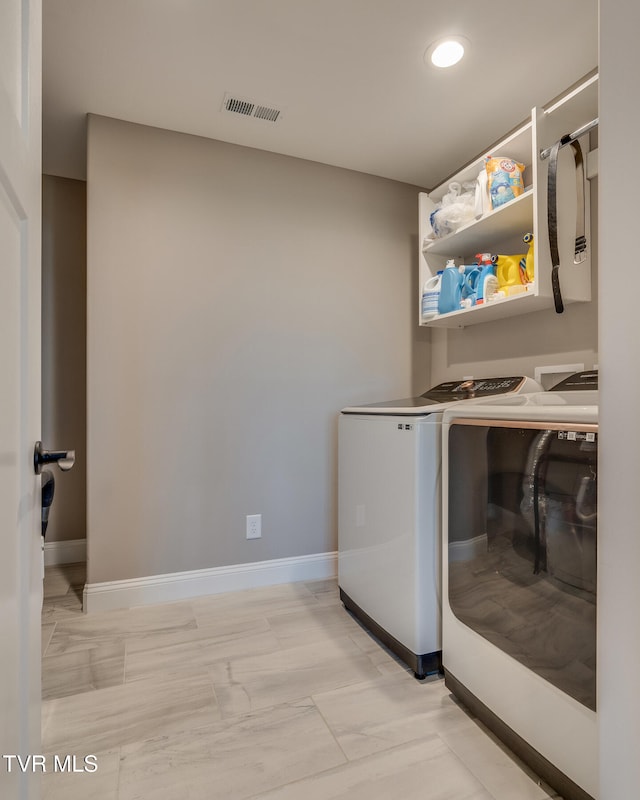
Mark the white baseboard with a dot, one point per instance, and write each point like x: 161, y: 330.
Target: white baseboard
x: 196, y: 583
x: 68, y: 552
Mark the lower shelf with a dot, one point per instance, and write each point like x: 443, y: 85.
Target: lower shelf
x: 489, y: 312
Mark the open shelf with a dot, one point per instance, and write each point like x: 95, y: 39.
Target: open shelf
x: 500, y: 231
x: 481, y: 233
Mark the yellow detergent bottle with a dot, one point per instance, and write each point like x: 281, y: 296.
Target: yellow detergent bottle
x: 528, y: 263
x: 509, y: 274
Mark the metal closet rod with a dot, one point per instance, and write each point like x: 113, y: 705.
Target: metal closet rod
x: 570, y: 137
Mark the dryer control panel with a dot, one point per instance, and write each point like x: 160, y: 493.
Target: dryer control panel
x: 473, y: 388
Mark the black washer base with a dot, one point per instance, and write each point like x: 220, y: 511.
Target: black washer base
x: 549, y: 773
x: 422, y: 664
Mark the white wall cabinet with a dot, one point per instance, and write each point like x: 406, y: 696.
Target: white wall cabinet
x: 500, y: 231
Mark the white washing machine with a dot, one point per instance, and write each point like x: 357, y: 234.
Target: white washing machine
x: 519, y: 574
x: 389, y: 468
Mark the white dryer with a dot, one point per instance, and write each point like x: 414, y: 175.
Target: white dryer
x: 389, y: 512
x: 519, y: 574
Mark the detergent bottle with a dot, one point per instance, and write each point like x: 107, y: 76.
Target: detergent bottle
x: 470, y: 284
x: 528, y: 264
x: 450, y: 288
x: 430, y: 296
x: 510, y: 273
x: 487, y: 281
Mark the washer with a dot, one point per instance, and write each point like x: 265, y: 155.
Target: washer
x: 519, y: 574
x: 389, y: 514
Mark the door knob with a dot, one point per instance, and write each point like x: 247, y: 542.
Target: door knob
x: 65, y: 459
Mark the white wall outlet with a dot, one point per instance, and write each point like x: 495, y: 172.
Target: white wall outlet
x: 254, y: 526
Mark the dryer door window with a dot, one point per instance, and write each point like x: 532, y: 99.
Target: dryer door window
x: 522, y: 538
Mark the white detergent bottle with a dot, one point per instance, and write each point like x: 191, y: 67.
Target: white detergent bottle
x: 430, y: 296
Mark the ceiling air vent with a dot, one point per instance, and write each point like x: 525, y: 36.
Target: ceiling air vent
x: 249, y: 108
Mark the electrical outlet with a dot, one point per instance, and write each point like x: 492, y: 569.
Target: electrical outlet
x: 254, y: 526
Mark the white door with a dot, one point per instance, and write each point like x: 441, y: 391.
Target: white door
x: 21, y: 554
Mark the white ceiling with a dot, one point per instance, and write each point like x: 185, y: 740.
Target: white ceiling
x: 348, y: 75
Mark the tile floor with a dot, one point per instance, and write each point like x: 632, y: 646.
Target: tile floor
x: 268, y: 694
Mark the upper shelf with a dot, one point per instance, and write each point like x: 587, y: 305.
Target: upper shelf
x: 480, y: 234
x: 517, y: 146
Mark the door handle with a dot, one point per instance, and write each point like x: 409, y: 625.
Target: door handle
x: 65, y: 459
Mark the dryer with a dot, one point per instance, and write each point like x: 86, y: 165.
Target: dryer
x: 519, y: 574
x: 389, y: 512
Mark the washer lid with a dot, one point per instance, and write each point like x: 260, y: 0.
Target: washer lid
x: 578, y: 382
x: 447, y: 393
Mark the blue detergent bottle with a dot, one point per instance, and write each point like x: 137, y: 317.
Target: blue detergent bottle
x: 450, y: 288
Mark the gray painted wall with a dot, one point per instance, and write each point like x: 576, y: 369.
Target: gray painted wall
x: 236, y: 301
x: 64, y: 307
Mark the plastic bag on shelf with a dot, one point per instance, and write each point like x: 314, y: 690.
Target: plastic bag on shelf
x: 456, y: 209
x: 482, y: 199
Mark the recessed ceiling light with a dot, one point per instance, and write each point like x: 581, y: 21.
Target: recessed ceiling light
x: 447, y: 52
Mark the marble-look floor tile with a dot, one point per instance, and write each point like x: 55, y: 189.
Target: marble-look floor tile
x: 366, y: 641
x: 500, y: 772
x: 391, y: 665
x: 200, y: 653
x: 248, y: 684
x: 383, y: 659
x: 107, y: 718
x: 99, y: 785
x: 47, y: 632
x: 82, y: 671
x: 263, y: 602
x: 231, y: 760
x: 62, y: 609
x: 137, y: 647
x: 224, y: 630
x: 325, y: 591
x: 61, y: 578
x: 64, y: 643
x: 108, y: 627
x: 274, y: 693
x: 377, y: 715
x: 312, y: 623
x: 427, y: 770
x: 145, y: 619
x: 70, y: 639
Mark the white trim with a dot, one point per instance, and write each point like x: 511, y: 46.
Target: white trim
x: 66, y: 552
x: 183, y: 585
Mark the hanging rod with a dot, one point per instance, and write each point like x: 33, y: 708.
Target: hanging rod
x: 570, y: 137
